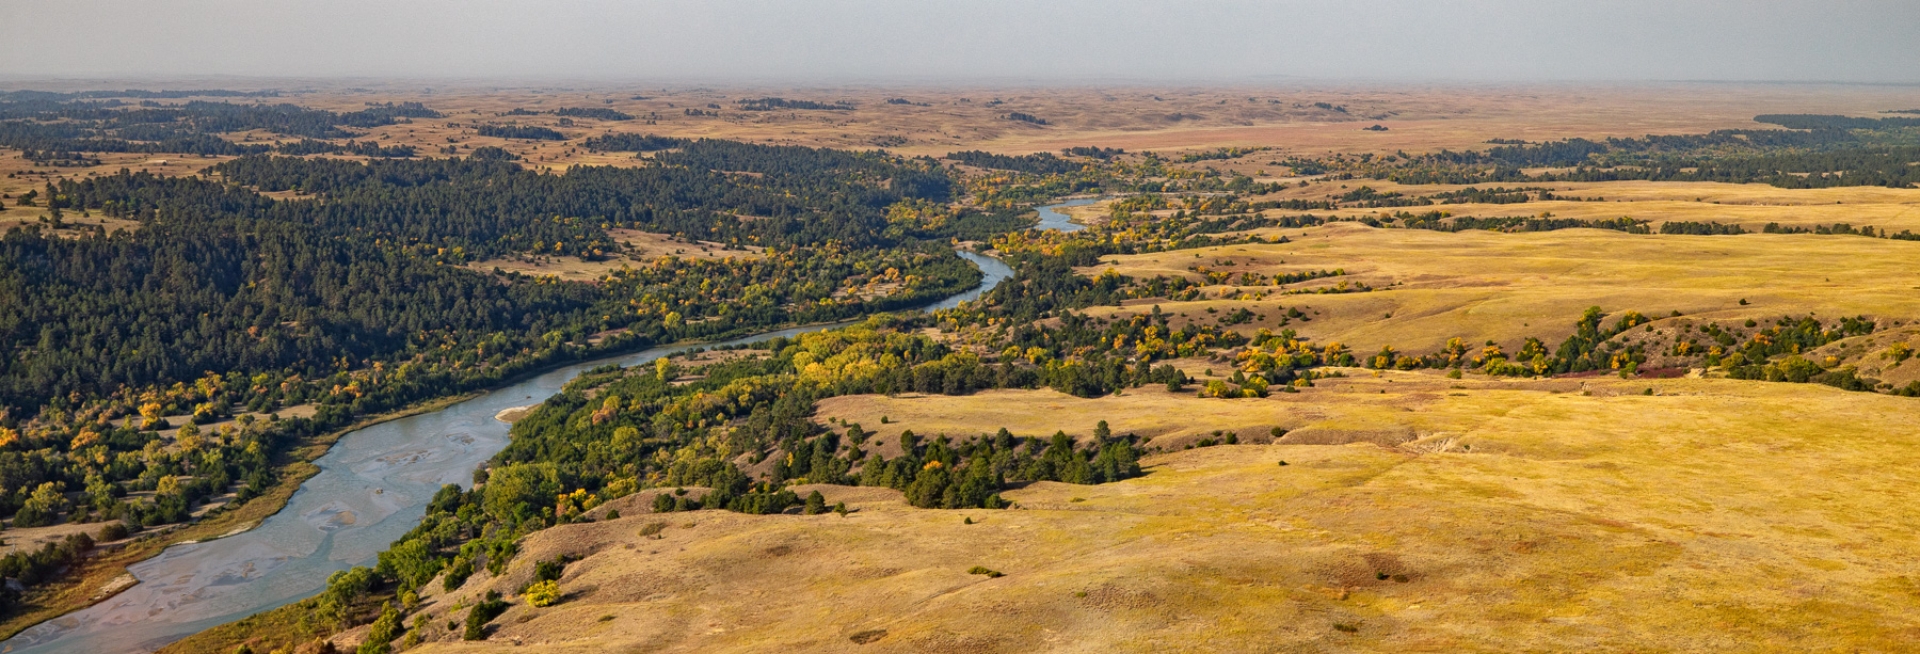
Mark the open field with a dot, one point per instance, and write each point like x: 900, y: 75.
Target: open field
x: 1526, y: 517
x: 1336, y: 411
x: 639, y: 247
x: 1479, y: 285
x: 1751, y: 206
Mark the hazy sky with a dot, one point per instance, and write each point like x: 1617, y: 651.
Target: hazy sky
x: 851, y: 40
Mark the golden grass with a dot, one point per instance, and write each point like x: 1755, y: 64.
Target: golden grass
x: 1751, y: 206
x: 1481, y: 285
x: 1523, y: 519
x: 641, y: 247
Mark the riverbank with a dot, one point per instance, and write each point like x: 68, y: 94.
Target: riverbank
x: 105, y: 573
x: 359, y: 496
x: 95, y: 579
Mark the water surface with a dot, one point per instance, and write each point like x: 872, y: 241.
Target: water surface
x: 1050, y: 219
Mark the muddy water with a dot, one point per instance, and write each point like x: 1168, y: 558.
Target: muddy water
x: 373, y: 486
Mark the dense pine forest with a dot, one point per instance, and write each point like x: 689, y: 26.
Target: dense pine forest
x: 67, y: 123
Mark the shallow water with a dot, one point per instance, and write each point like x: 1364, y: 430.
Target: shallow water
x: 373, y: 487
x: 1050, y: 219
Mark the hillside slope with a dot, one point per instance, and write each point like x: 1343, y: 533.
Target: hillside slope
x: 1714, y: 514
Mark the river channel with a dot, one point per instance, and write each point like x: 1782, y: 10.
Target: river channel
x: 373, y: 486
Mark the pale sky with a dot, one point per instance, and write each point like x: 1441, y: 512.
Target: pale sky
x: 975, y: 40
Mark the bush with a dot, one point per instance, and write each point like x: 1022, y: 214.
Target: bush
x: 544, y: 593
x: 457, y: 574
x: 489, y: 608
x: 982, y: 570
x: 115, y: 530
x: 551, y: 569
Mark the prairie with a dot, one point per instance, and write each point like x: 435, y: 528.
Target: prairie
x: 1524, y: 516
x: 1750, y: 206
x: 1433, y: 286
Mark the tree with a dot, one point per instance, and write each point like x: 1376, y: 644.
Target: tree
x: 151, y: 416
x: 512, y: 491
x: 816, y: 504
x: 410, y: 562
x: 43, y: 507
x: 385, y: 628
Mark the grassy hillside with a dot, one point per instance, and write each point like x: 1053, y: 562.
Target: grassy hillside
x: 1534, y: 516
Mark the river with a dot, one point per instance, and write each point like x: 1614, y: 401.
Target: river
x: 1050, y: 219
x: 373, y: 487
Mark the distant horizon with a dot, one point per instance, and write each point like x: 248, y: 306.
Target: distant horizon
x: 980, y: 41
x: 268, y: 82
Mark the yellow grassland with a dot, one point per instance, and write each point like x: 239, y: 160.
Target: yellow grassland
x: 1523, y: 519
x: 1751, y: 206
x: 1432, y: 286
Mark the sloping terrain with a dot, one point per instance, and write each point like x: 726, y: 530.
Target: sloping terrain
x: 1526, y: 517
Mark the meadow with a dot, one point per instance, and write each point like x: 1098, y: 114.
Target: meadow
x: 1522, y: 516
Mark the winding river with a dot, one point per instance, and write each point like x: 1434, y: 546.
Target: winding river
x: 373, y: 486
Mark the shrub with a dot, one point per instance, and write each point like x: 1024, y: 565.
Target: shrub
x: 115, y: 530
x: 982, y: 570
x: 457, y: 573
x: 489, y: 608
x: 544, y: 593
x: 551, y: 569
